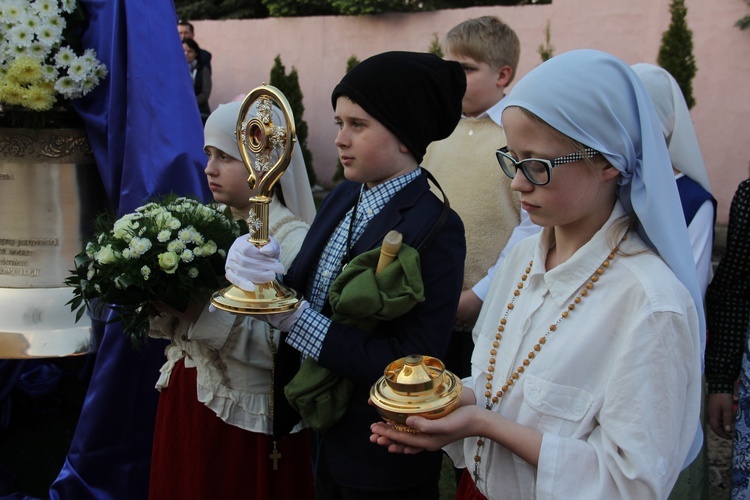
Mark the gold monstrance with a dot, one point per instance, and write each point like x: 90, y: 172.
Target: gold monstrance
x: 265, y: 139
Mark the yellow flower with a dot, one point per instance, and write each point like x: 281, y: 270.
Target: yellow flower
x: 39, y: 98
x: 25, y: 70
x: 11, y: 93
x: 169, y: 261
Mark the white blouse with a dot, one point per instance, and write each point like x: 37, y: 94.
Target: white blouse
x: 615, y: 390
x: 232, y: 353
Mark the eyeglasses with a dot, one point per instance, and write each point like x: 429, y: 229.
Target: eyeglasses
x: 536, y: 170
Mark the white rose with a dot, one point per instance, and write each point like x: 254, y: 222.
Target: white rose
x: 106, y: 255
x: 169, y: 261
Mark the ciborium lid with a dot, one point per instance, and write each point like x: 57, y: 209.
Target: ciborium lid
x: 415, y: 385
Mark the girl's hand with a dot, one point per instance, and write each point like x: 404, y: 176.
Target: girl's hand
x: 434, y: 434
x: 720, y: 411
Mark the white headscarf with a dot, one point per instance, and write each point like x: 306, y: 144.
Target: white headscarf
x: 220, y: 132
x: 599, y: 101
x: 676, y: 123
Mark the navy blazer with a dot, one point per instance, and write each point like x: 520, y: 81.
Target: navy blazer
x: 362, y: 355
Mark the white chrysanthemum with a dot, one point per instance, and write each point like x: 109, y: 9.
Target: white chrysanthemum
x: 45, y: 8
x: 48, y: 35
x: 64, y: 57
x: 88, y: 84
x: 198, y: 238
x: 187, y: 234
x: 20, y: 36
x: 15, y: 51
x: 174, y: 224
x: 145, y: 272
x: 79, y: 68
x: 89, y: 58
x: 150, y: 207
x: 13, y: 11
x: 163, y: 236
x: 38, y: 50
x: 100, y: 71
x: 176, y: 246
x: 140, y: 245
x: 49, y: 73
x: 67, y: 87
x: 187, y: 255
x: 56, y: 21
x: 69, y: 6
x: 193, y: 272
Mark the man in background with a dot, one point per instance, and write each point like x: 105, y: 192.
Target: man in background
x: 186, y: 30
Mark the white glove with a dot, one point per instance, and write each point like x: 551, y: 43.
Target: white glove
x: 248, y: 264
x: 284, y: 321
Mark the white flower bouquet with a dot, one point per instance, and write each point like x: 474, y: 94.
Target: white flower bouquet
x: 170, y: 251
x: 39, y: 66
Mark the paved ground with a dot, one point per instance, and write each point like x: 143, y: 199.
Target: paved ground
x: 719, y: 461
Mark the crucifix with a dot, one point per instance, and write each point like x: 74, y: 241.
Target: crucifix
x: 275, y: 456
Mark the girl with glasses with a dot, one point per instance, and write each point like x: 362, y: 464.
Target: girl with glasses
x: 587, y: 365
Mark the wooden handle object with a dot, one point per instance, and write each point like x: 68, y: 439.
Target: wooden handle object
x: 389, y: 250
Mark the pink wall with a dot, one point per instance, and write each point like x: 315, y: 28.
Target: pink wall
x: 318, y: 47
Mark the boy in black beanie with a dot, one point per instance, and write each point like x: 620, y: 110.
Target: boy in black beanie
x: 388, y: 109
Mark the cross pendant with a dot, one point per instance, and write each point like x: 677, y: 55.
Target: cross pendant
x: 275, y: 456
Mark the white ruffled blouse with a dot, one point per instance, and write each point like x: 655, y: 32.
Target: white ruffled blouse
x: 232, y: 353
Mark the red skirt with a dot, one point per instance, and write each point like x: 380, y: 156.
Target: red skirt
x: 466, y: 489
x: 197, y: 455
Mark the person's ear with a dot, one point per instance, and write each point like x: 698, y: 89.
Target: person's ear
x: 504, y: 75
x: 609, y: 172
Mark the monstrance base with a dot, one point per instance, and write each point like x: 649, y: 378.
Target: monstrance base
x: 267, y: 298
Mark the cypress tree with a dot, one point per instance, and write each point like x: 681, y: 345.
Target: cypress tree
x: 676, y: 51
x: 289, y: 86
x: 435, y: 46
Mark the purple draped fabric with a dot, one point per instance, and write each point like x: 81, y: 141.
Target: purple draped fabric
x: 147, y: 137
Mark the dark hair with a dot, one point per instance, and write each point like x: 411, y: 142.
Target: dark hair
x: 185, y: 23
x: 192, y: 44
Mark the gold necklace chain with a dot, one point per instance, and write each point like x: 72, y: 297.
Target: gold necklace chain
x: 493, y: 400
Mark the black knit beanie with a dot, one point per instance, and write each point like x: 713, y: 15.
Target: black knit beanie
x: 417, y: 96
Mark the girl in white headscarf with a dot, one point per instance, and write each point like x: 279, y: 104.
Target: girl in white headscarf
x: 587, y: 365
x: 699, y: 206
x: 214, y: 426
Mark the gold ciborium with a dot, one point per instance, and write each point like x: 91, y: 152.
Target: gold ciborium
x: 261, y: 139
x: 415, y: 385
